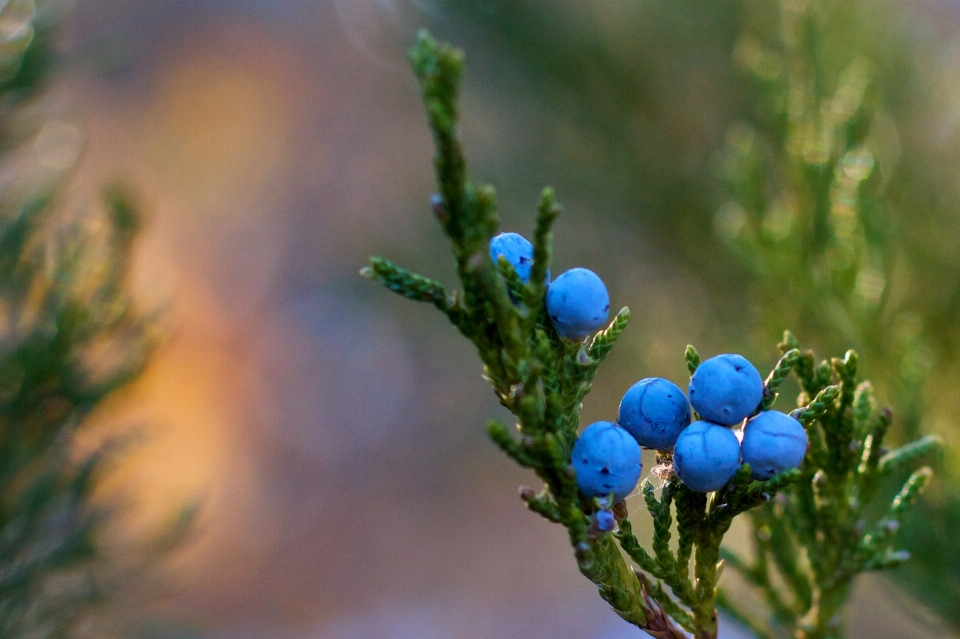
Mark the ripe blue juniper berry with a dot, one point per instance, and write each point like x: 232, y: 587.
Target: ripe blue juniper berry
x: 772, y: 443
x: 517, y: 250
x: 607, y: 461
x: 578, y: 303
x: 654, y: 411
x: 811, y: 524
x: 706, y: 456
x: 725, y: 389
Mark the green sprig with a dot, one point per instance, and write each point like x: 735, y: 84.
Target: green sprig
x: 824, y: 512
x: 406, y: 283
x: 808, y: 414
x: 779, y: 373
x: 907, y: 454
x: 693, y: 359
x: 543, y: 379
x: 603, y: 341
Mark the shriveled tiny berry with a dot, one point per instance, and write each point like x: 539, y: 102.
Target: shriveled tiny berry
x: 606, y: 459
x: 578, y: 303
x: 605, y: 520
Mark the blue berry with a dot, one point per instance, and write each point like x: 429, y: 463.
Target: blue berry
x: 607, y: 460
x: 725, y: 389
x: 772, y: 443
x: 578, y: 303
x: 706, y: 456
x: 654, y: 411
x: 605, y: 520
x: 517, y: 250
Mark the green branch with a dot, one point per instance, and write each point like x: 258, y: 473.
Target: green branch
x: 543, y: 379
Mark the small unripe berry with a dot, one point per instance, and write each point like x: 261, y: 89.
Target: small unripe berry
x: 439, y: 209
x: 725, y: 389
x: 772, y: 443
x: 578, y: 303
x: 607, y: 460
x: 706, y: 456
x: 518, y: 251
x: 605, y: 520
x: 654, y: 411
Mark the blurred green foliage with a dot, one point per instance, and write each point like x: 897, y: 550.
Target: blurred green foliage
x: 800, y: 155
x: 69, y: 337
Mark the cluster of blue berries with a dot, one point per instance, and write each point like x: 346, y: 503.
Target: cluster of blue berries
x: 725, y: 391
x: 577, y: 301
x: 654, y: 413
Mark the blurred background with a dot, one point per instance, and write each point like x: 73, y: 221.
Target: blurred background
x: 333, y: 434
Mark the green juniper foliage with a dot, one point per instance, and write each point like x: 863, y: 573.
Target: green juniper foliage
x: 69, y: 337
x: 543, y: 379
x: 828, y: 221
x: 836, y: 195
x: 817, y: 536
